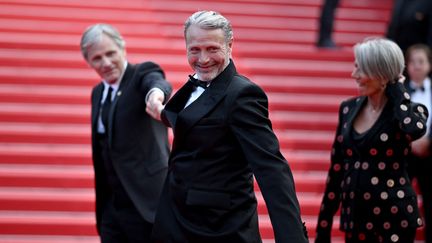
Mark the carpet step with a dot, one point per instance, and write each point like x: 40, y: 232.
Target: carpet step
x: 51, y: 154
x: 297, y: 120
x: 51, y: 9
x: 149, y: 27
x: 306, y: 85
x: 45, y: 133
x: 47, y: 223
x: 261, y: 8
x: 53, y: 176
x: 47, y: 199
x: 6, y: 238
x: 305, y: 140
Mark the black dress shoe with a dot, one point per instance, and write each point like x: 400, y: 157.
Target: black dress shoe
x: 327, y: 44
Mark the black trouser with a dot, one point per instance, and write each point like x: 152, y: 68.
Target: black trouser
x: 124, y: 225
x: 327, y: 19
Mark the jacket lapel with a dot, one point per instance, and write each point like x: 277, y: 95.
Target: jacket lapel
x: 123, y: 86
x: 177, y: 103
x: 353, y: 115
x: 189, y: 116
x: 96, y: 103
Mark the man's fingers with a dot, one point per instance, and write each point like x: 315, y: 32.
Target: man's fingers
x: 154, y: 109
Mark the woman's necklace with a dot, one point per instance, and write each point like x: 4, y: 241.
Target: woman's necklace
x: 376, y: 109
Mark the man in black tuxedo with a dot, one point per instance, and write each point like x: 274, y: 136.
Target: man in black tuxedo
x: 222, y: 137
x: 130, y: 147
x: 411, y: 23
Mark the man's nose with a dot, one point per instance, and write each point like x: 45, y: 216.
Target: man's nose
x: 204, y: 57
x: 105, y: 61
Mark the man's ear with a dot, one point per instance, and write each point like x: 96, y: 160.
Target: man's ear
x: 230, y: 43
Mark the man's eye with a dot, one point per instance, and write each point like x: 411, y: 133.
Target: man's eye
x: 96, y: 59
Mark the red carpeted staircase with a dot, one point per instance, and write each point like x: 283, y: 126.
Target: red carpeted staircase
x: 46, y: 176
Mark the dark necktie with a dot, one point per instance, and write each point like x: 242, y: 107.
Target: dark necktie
x: 197, y: 82
x: 106, y: 107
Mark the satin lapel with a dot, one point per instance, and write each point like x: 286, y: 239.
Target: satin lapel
x: 176, y: 104
x: 96, y: 103
x: 128, y: 75
x: 189, y: 116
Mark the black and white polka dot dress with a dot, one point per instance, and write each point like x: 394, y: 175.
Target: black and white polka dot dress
x: 367, y: 179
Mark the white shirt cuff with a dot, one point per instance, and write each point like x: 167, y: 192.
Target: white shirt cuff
x: 153, y: 90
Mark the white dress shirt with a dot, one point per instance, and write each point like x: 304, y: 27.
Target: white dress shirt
x: 195, y: 94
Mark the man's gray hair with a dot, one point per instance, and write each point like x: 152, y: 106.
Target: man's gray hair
x: 379, y: 58
x: 94, y: 33
x: 210, y: 20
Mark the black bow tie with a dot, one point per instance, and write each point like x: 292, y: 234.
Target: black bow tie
x: 197, y: 82
x: 419, y: 89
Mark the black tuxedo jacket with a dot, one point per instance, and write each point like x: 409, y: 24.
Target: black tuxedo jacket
x: 220, y: 141
x: 138, y: 144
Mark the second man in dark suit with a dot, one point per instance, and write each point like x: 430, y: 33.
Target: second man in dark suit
x: 222, y: 137
x: 130, y: 148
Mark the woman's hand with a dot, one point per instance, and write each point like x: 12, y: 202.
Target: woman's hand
x: 401, y: 78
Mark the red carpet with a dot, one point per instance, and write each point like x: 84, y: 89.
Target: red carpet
x: 46, y: 178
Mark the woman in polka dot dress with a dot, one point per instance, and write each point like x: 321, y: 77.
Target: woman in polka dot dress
x: 368, y: 178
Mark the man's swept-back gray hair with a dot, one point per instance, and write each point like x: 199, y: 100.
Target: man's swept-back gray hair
x: 94, y: 33
x: 210, y: 20
x: 380, y: 59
